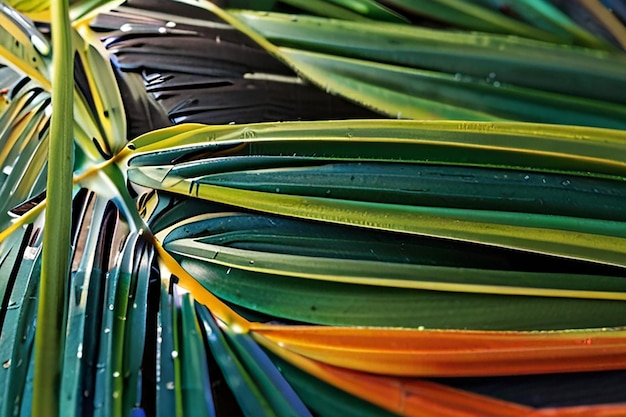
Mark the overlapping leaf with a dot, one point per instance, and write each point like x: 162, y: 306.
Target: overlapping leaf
x: 260, y: 262
x: 236, y: 82
x: 420, y: 73
x: 554, y: 21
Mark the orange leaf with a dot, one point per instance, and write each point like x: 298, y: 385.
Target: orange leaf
x: 604, y: 410
x: 404, y: 396
x: 409, y: 352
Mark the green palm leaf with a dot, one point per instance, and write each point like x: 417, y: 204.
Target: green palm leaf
x: 425, y: 74
x: 324, y: 267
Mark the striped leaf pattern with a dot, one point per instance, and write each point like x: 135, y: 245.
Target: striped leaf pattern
x: 313, y: 208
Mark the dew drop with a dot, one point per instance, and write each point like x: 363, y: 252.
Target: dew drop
x: 458, y: 76
x: 111, y: 307
x: 526, y: 177
x: 174, y: 354
x: 107, y: 330
x: 169, y: 385
x: 496, y: 84
x: 228, y: 271
x: 251, y: 262
x: 116, y: 374
x: 6, y: 364
x: 565, y: 183
x: 277, y: 190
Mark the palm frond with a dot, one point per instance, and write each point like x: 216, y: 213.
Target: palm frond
x: 251, y: 233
